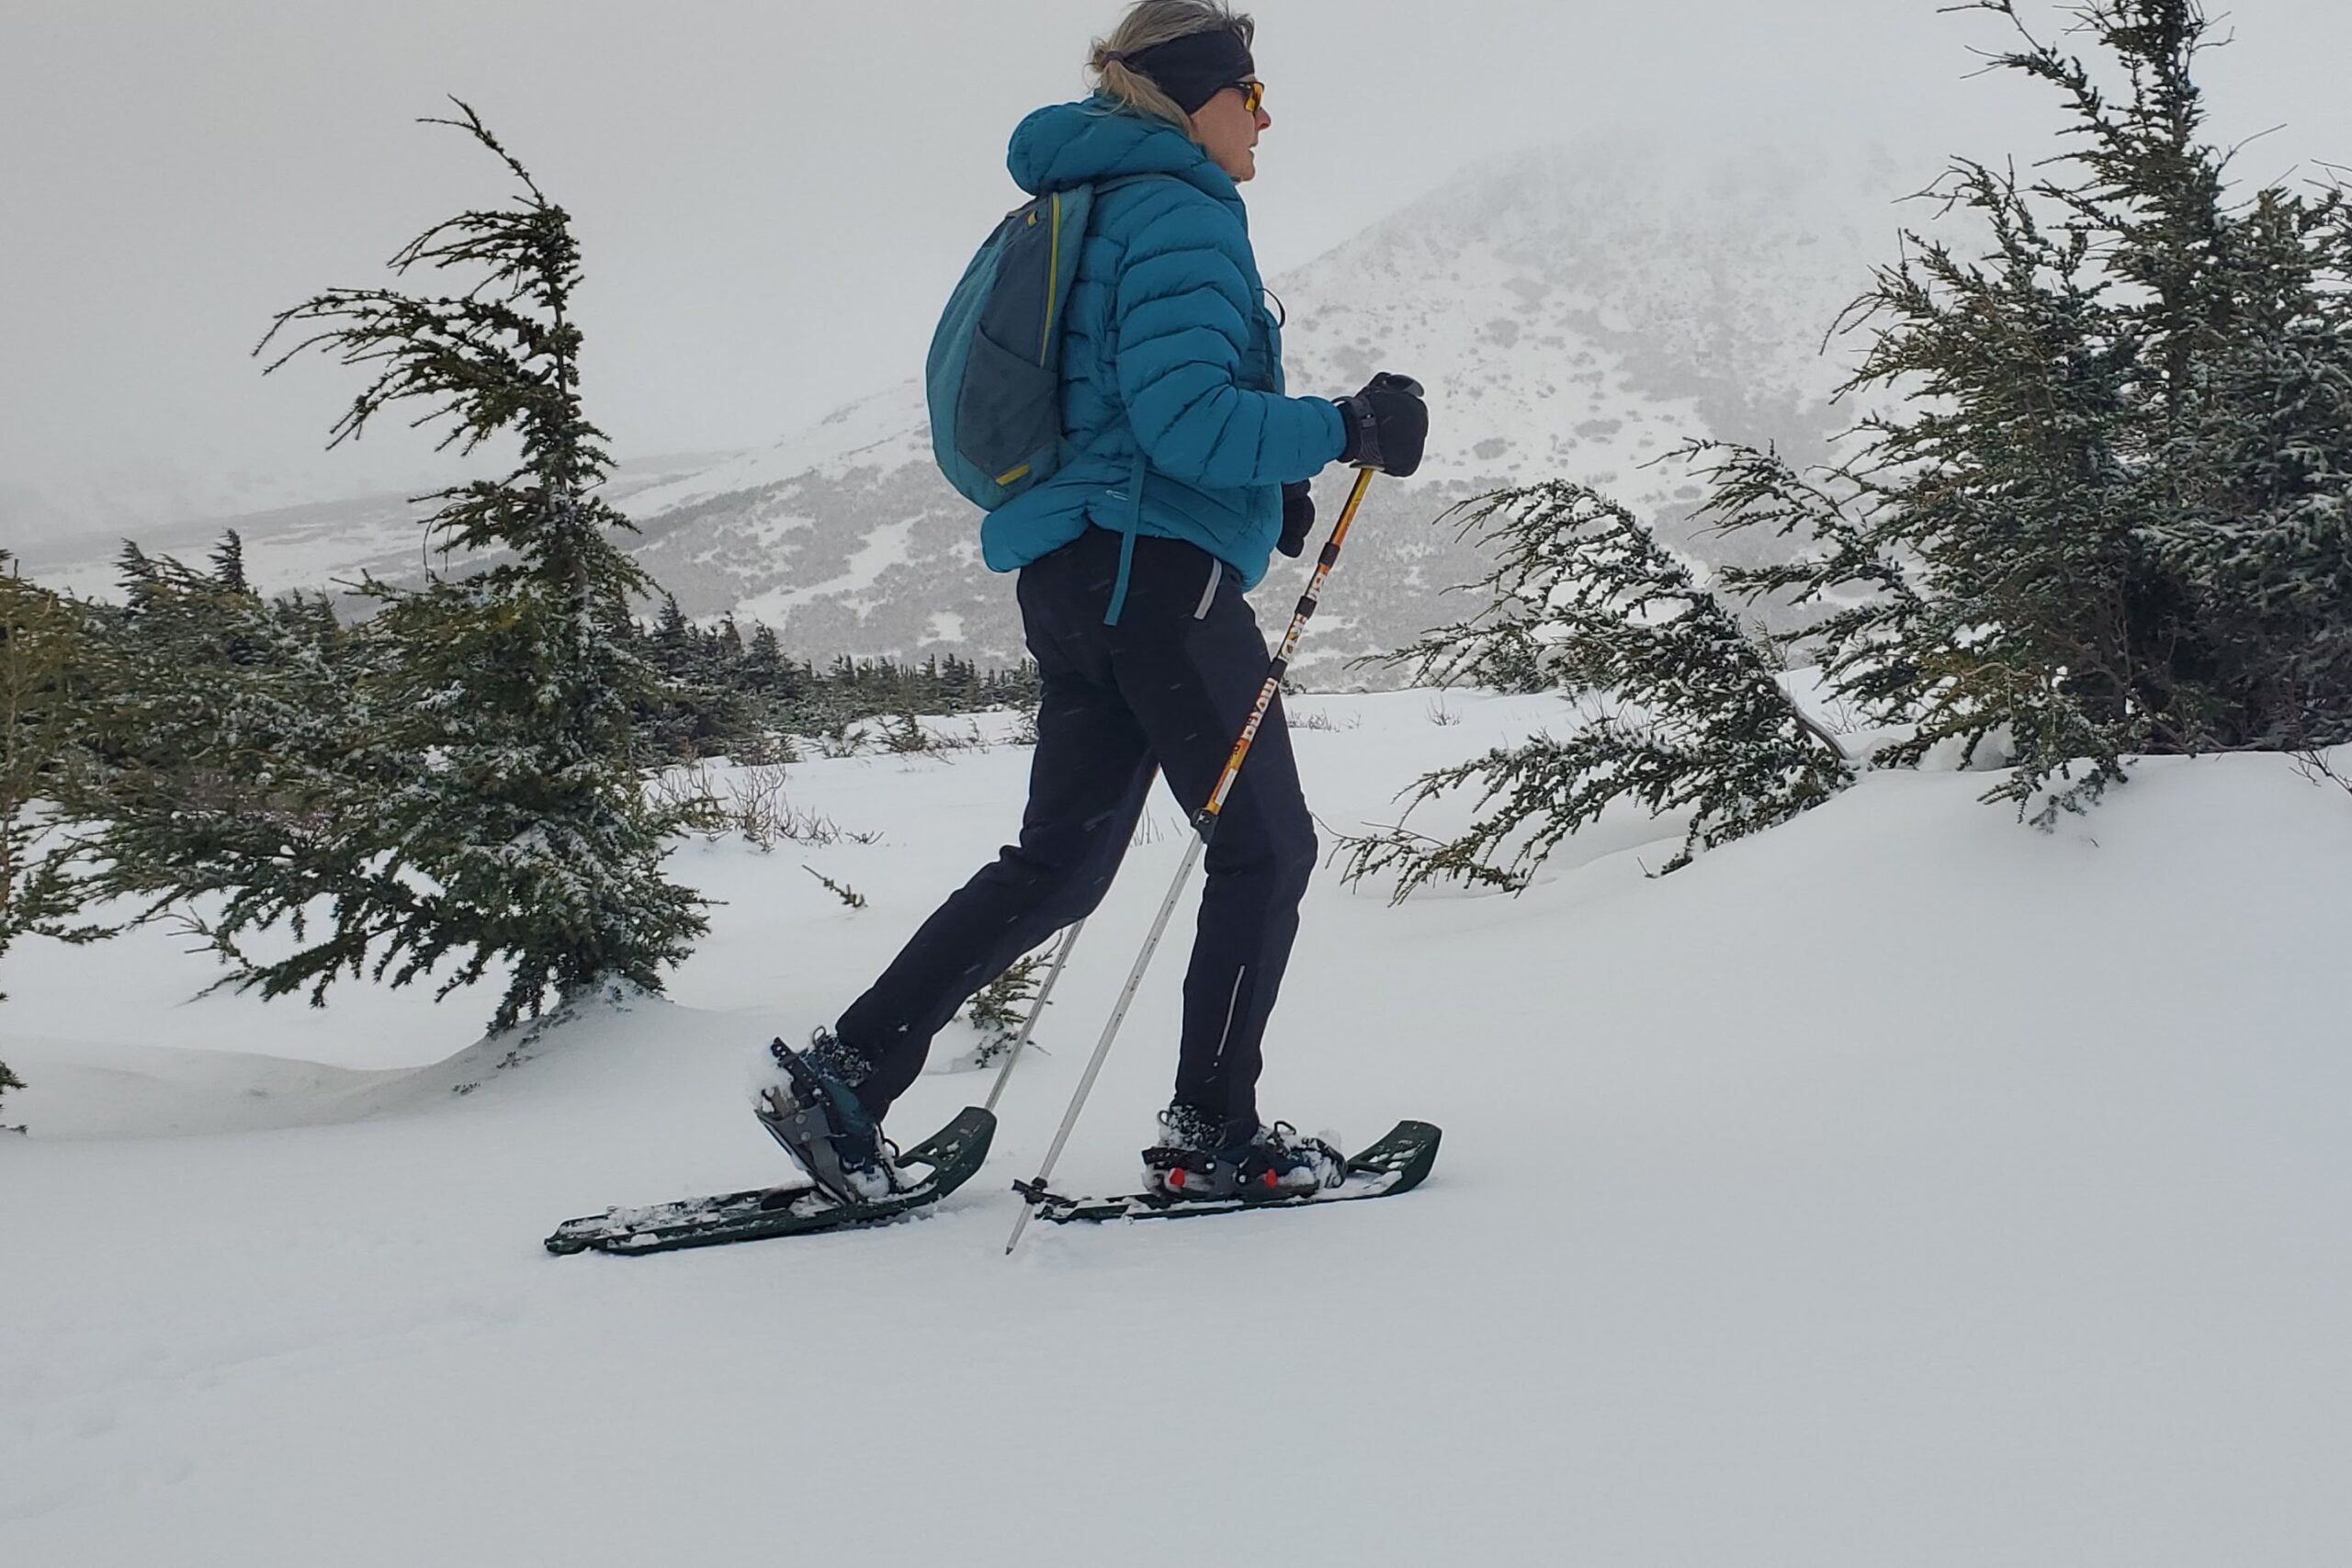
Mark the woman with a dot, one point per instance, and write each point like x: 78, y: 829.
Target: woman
x: 1186, y: 465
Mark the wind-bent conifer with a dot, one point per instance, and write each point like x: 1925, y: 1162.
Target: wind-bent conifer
x: 466, y: 788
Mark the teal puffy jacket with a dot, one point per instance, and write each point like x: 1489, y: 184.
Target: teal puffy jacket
x: 1174, y: 415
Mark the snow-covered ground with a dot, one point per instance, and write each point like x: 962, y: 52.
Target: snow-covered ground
x: 1901, y: 1187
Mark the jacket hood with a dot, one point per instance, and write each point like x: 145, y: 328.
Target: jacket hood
x: 1074, y: 144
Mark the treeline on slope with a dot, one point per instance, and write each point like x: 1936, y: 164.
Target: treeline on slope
x: 715, y: 692
x: 727, y: 695
x: 2096, y: 505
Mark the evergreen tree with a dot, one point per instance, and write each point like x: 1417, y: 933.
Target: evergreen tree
x: 475, y: 792
x: 202, y: 698
x: 1684, y: 708
x: 43, y: 652
x: 2260, y: 453
x: 674, y: 634
x: 2113, y: 479
x: 2102, y: 511
x: 701, y: 708
x: 42, y: 643
x: 229, y: 562
x: 765, y: 674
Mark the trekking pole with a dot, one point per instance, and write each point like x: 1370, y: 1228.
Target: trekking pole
x: 1203, y: 828
x: 1029, y: 1024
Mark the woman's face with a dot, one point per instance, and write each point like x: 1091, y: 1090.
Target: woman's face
x: 1227, y: 129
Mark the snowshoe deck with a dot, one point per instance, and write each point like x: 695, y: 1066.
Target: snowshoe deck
x: 953, y: 1156
x: 1397, y: 1162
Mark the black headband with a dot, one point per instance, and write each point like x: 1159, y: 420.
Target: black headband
x: 1195, y: 68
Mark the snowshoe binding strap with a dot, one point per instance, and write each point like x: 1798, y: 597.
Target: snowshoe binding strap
x: 1331, y: 1165
x: 1254, y: 1170
x: 1197, y: 1174
x: 810, y: 1126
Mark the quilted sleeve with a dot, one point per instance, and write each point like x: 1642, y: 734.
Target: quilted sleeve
x: 1183, y: 333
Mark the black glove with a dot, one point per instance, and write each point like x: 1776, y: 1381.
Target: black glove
x: 1298, y: 516
x: 1387, y: 426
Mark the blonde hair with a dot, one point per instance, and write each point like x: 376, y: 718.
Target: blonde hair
x: 1148, y: 25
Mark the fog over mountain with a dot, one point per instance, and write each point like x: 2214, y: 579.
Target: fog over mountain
x: 1577, y: 312
x: 773, y: 200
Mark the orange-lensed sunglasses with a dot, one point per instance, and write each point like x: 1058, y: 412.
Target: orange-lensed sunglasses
x: 1254, y: 93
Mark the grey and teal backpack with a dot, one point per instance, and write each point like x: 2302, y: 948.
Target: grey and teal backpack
x: 995, y: 371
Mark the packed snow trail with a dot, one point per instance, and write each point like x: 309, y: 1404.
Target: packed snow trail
x: 1902, y: 1186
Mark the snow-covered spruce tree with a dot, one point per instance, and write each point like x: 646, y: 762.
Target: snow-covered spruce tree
x: 2240, y: 312
x: 2104, y: 511
x: 2194, y: 352
x: 1984, y: 521
x: 1683, y: 709
x: 2258, y: 447
x: 480, y: 797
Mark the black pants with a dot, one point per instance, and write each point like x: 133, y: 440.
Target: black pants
x: 1169, y: 687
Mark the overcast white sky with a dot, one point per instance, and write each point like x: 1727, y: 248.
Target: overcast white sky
x: 776, y: 195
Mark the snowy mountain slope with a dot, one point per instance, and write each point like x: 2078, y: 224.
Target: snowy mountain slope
x: 1902, y: 1186
x: 314, y: 547
x: 1578, y: 311
x: 137, y: 497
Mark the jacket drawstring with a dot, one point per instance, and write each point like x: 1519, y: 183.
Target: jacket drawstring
x: 1127, y: 543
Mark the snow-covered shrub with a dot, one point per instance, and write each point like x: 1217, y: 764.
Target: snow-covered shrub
x: 1001, y: 1008
x: 2103, y: 511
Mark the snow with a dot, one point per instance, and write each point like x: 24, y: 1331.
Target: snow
x: 883, y: 549
x: 886, y: 427
x: 1902, y: 1186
